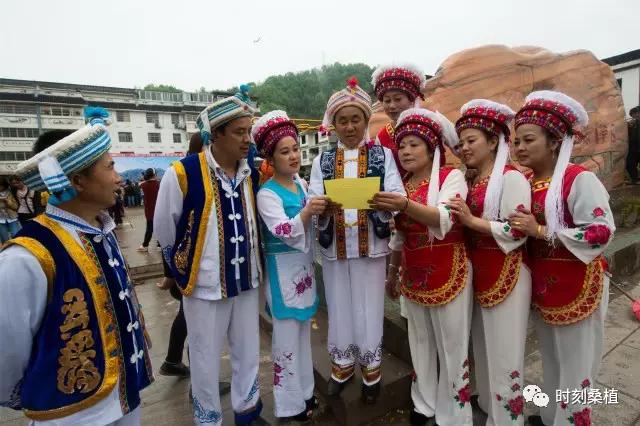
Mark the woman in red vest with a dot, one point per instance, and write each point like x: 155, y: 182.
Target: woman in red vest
x: 569, y: 226
x: 501, y: 280
x: 435, y: 272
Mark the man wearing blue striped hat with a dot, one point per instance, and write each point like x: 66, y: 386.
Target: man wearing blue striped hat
x: 74, y: 343
x: 207, y: 226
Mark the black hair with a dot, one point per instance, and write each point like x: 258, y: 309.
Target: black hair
x: 634, y: 110
x: 195, y: 144
x: 149, y: 174
x: 4, y: 182
x: 48, y: 138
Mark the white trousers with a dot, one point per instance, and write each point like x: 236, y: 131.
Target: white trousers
x: 292, y: 366
x: 354, y: 290
x: 442, y: 332
x: 130, y: 419
x: 571, y: 355
x: 209, y: 322
x: 499, y: 336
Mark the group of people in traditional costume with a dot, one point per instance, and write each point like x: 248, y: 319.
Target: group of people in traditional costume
x: 468, y: 254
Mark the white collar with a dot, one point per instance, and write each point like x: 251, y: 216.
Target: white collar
x: 79, y: 224
x: 243, y: 169
x: 344, y: 147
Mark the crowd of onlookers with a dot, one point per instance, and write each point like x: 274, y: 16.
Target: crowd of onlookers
x: 17, y: 205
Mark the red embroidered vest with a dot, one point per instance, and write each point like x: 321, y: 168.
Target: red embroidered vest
x: 432, y: 274
x: 495, y: 274
x: 565, y: 290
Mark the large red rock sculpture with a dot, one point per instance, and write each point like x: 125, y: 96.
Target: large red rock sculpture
x: 508, y: 75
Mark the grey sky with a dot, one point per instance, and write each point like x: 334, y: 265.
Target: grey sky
x: 191, y: 44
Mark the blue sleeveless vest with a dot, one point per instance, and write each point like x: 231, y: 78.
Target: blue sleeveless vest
x: 292, y: 204
x: 204, y: 194
x: 87, y: 339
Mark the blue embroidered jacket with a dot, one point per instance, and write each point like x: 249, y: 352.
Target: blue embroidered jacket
x: 205, y: 193
x: 92, y: 332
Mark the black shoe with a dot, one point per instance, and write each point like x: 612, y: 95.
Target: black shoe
x: 370, y: 393
x: 312, y: 403
x: 475, y: 404
x: 535, y: 421
x: 174, y: 369
x: 334, y: 387
x: 418, y: 419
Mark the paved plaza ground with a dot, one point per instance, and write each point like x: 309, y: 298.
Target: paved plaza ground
x: 166, y: 401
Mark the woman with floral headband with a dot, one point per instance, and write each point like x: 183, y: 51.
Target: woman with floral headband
x: 501, y: 280
x: 569, y: 226
x: 435, y: 274
x: 286, y: 214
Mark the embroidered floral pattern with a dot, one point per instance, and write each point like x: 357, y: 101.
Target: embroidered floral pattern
x: 277, y: 374
x: 254, y: 389
x: 585, y: 383
x: 203, y: 415
x: 349, y: 353
x: 581, y: 418
x: 304, y: 284
x: 370, y: 357
x: 598, y: 212
x: 595, y: 235
x: 463, y: 390
x: 514, y: 232
x: 283, y: 229
x: 514, y: 403
x: 280, y: 370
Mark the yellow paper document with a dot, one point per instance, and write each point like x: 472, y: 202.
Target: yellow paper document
x: 352, y: 193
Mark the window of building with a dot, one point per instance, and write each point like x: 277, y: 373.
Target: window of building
x: 125, y: 136
x: 17, y: 109
x: 123, y: 116
x: 16, y: 132
x: 304, y: 155
x: 175, y: 118
x: 191, y: 117
x: 317, y: 138
x: 60, y: 111
x: 177, y: 138
x: 619, y: 80
x: 152, y: 117
x: 15, y: 155
x: 154, y: 137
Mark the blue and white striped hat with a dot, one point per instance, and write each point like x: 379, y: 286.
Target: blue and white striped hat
x: 223, y: 111
x: 50, y: 168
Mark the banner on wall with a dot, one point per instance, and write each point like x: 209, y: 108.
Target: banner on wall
x: 132, y: 166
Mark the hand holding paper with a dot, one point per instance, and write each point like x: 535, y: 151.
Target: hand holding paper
x: 352, y: 193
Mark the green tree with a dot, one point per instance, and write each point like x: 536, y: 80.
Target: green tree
x: 162, y: 88
x: 304, y: 94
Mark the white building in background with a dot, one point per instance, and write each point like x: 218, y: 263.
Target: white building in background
x: 142, y: 122
x: 626, y: 68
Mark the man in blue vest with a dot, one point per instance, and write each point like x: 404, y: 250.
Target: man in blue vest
x: 207, y: 227
x: 74, y: 347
